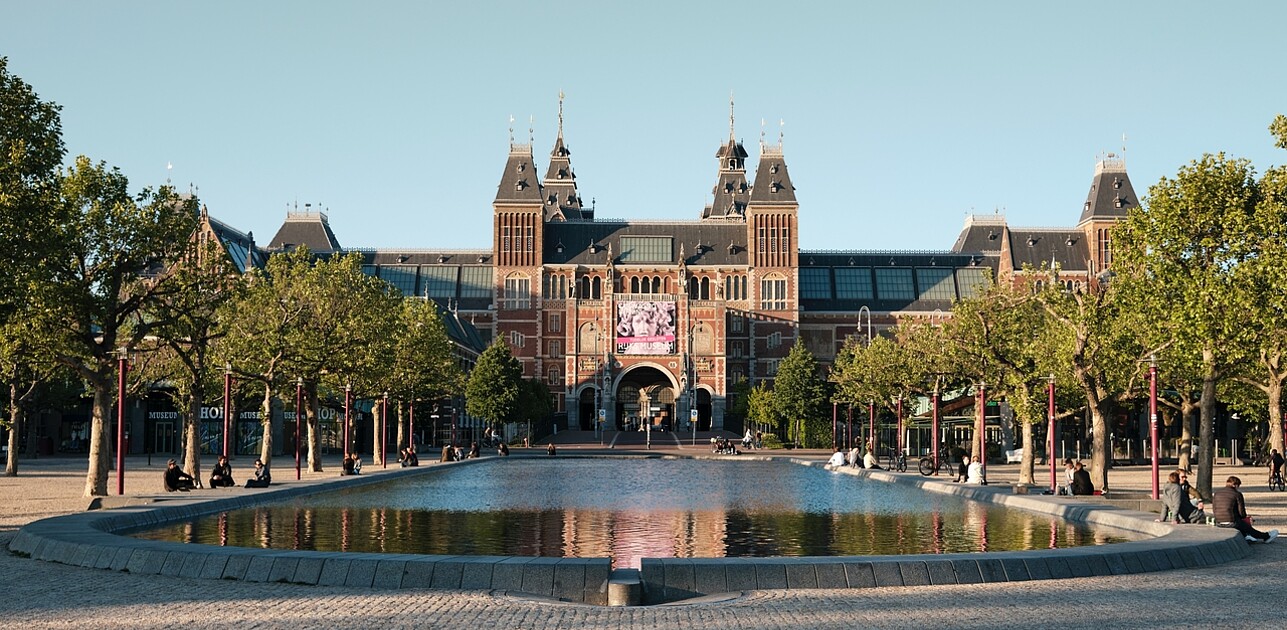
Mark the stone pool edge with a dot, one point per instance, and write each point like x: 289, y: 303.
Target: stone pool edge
x: 1168, y: 547
x: 88, y: 539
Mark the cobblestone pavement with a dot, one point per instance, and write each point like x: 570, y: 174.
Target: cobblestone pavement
x: 37, y: 594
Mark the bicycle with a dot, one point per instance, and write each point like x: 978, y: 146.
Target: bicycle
x: 928, y: 466
x: 1276, y: 483
x: 897, y: 460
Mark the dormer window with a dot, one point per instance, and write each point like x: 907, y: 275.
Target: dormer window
x: 992, y: 236
x: 1032, y: 241
x: 773, y: 169
x: 549, y: 201
x: 774, y: 187
x: 1086, y: 207
x: 1070, y: 241
x: 1118, y: 202
x: 559, y: 247
x: 521, y: 166
x: 1117, y: 182
x: 520, y: 184
x: 402, y: 258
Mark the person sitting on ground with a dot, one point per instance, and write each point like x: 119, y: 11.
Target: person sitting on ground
x: 262, y: 478
x: 176, y: 479
x: 855, y: 457
x: 221, y: 474
x: 1081, y: 483
x: 352, y: 465
x: 412, y: 456
x: 404, y: 460
x: 1190, y: 500
x: 448, y: 453
x: 503, y: 450
x: 869, y: 461
x: 837, y: 460
x: 1231, y: 511
x: 551, y: 450
x: 974, y: 473
x: 1069, y: 469
x: 1171, y: 492
x: 962, y: 469
x: 473, y: 450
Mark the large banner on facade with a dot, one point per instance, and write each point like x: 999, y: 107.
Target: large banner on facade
x: 645, y: 327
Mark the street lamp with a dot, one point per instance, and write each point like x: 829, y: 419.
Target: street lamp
x: 1152, y: 415
x: 867, y: 312
x: 227, y: 405
x: 1050, y: 431
x: 348, y: 406
x: 934, y: 424
x: 982, y: 451
x: 299, y: 416
x: 871, y: 427
x: 123, y: 365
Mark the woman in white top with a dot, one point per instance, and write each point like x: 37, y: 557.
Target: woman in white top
x: 975, y: 473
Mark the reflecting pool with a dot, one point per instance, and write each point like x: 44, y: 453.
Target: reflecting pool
x: 629, y: 509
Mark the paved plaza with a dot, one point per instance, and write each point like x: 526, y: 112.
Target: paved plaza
x: 1244, y: 593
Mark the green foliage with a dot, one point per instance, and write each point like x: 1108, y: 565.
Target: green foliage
x: 772, y: 441
x: 493, y: 390
x: 760, y: 408
x: 800, y: 396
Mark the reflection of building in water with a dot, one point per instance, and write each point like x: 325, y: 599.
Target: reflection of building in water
x: 627, y: 537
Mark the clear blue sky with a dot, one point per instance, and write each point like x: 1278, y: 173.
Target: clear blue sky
x: 901, y: 117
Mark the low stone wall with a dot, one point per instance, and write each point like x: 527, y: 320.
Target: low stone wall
x: 1167, y: 547
x: 88, y: 540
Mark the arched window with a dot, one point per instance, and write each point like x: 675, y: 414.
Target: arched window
x: 634, y: 284
x: 596, y: 286
x: 773, y: 293
x: 518, y: 292
x: 705, y: 293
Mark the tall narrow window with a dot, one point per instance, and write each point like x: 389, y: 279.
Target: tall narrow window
x: 518, y: 292
x: 773, y: 293
x: 505, y: 239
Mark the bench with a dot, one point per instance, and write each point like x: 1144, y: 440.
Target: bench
x: 1014, y: 457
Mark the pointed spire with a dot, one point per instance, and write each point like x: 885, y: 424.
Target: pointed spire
x: 531, y: 129
x: 511, y: 130
x: 730, y: 116
x: 781, y: 131
x: 560, y: 113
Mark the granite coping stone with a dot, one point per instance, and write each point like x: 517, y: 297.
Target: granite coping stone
x: 91, y: 539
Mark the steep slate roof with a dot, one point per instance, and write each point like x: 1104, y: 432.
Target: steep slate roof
x: 772, y: 182
x: 1036, y: 246
x: 562, y: 202
x: 982, y: 233
x: 714, y: 240
x: 1111, y: 194
x: 460, y: 331
x: 518, y: 183
x: 732, y: 192
x: 310, y: 228
x: 240, y: 246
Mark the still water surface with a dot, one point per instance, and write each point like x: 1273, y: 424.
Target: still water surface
x: 629, y: 509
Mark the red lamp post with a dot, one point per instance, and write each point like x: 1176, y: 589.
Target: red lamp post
x: 1050, y: 432
x: 227, y: 406
x: 411, y: 423
x: 123, y: 365
x: 348, y: 406
x: 384, y: 432
x: 299, y: 419
x: 982, y: 451
x: 934, y: 426
x: 898, y: 442
x: 849, y: 427
x: 871, y: 427
x: 833, y: 425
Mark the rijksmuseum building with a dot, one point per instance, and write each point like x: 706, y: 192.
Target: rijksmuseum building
x: 655, y: 321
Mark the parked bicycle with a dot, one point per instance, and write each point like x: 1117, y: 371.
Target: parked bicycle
x: 929, y: 467
x: 897, y: 460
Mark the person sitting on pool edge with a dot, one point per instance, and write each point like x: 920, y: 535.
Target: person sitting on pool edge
x: 837, y: 460
x: 221, y: 474
x: 1231, y: 511
x: 1081, y: 483
x: 974, y: 474
x: 262, y: 479
x: 176, y: 479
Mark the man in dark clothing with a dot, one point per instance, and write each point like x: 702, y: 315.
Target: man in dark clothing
x: 1081, y: 483
x: 1231, y: 511
x: 262, y: 478
x: 176, y: 479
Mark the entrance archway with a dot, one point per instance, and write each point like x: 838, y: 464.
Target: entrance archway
x: 587, y: 410
x: 645, y: 394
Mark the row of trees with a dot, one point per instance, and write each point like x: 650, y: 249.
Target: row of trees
x: 92, y: 273
x: 1196, y: 287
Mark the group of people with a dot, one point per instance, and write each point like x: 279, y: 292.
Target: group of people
x: 176, y: 480
x: 352, y: 464
x: 752, y: 440
x: 1076, y: 479
x: 855, y: 458
x: 723, y: 445
x: 407, y: 457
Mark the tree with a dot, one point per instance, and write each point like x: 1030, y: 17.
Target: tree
x: 106, y: 279
x: 760, y: 409
x: 424, y: 366
x: 494, y: 384
x: 534, y: 402
x: 27, y: 363
x: 31, y: 154
x: 1180, y: 258
x: 799, y: 396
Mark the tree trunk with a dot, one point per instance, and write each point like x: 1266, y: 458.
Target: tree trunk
x: 1029, y: 455
x: 314, y: 429
x: 1275, y: 392
x: 1100, y: 455
x: 1206, y: 428
x: 266, y: 423
x: 1187, y: 422
x: 377, y: 457
x: 100, y: 447
x: 15, y: 427
x: 192, y: 437
x: 401, y: 442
